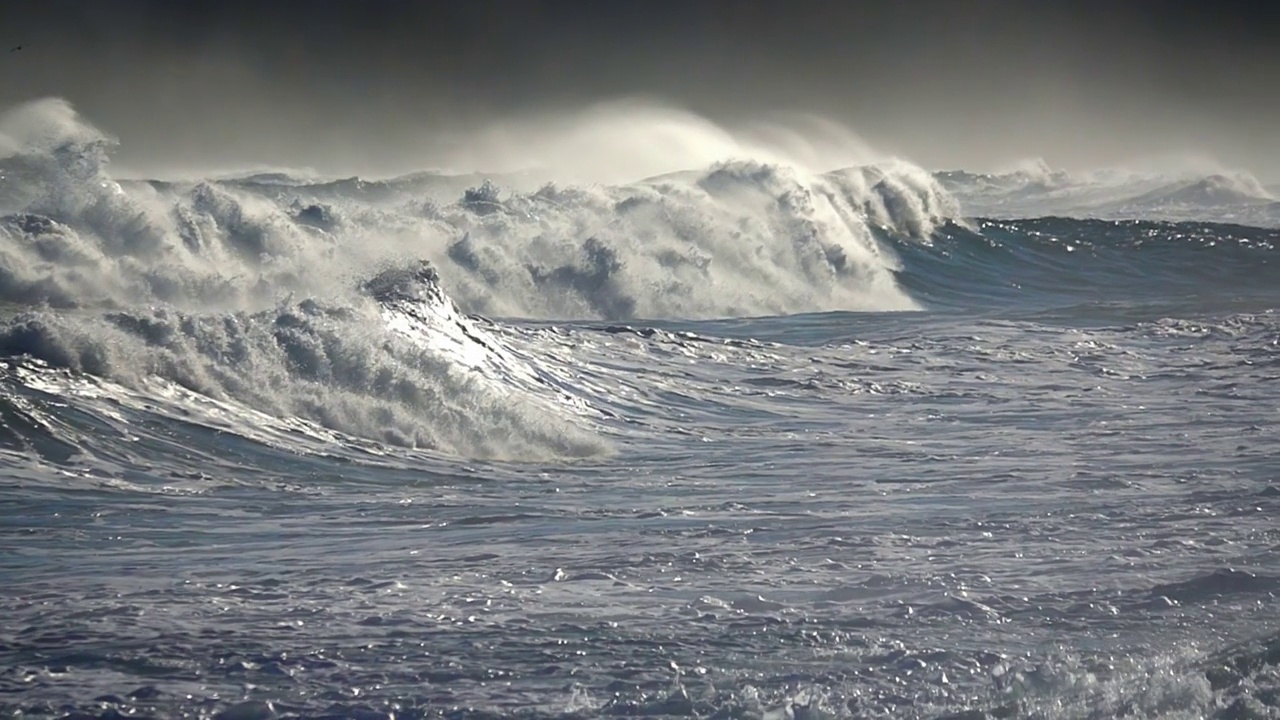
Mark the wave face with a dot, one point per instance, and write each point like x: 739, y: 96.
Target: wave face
x: 1052, y: 264
x: 747, y: 439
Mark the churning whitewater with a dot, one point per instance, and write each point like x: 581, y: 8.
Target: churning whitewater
x: 736, y: 435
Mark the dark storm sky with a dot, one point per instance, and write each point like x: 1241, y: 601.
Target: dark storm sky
x: 363, y: 86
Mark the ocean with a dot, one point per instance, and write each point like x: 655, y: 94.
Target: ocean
x: 737, y: 441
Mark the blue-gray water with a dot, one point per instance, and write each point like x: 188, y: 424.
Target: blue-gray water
x: 1014, y: 468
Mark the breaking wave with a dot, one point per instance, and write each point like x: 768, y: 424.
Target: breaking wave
x: 741, y: 236
x: 405, y: 369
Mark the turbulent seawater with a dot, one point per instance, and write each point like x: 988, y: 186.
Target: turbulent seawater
x: 741, y: 441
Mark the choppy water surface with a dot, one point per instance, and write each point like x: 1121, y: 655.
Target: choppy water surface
x: 1047, y: 489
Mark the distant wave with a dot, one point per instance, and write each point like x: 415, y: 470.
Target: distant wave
x: 1036, y: 190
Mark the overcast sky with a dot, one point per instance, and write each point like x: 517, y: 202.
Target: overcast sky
x: 374, y: 86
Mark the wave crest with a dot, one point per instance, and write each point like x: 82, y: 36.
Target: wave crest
x: 740, y: 238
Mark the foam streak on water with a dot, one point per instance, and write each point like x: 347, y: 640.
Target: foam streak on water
x: 751, y: 442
